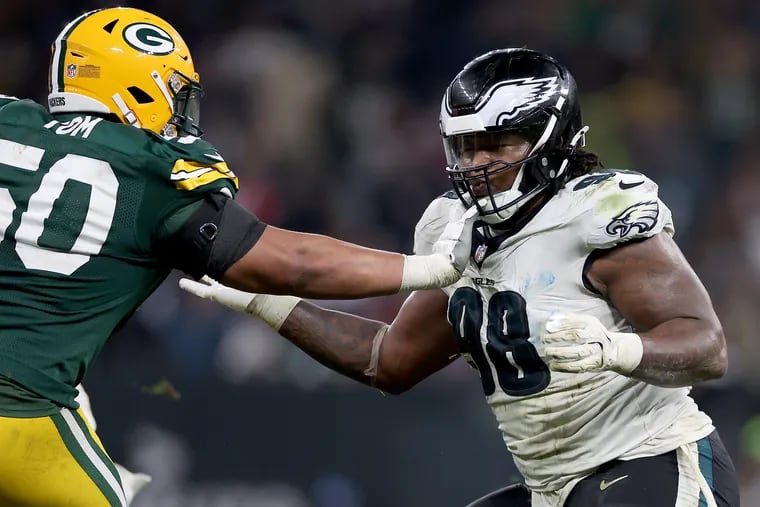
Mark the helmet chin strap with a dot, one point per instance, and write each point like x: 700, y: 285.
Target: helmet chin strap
x: 489, y: 203
x: 512, y: 194
x: 128, y: 114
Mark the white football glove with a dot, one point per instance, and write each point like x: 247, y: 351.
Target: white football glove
x: 208, y: 288
x: 451, y: 254
x: 455, y: 241
x: 273, y: 310
x: 576, y: 343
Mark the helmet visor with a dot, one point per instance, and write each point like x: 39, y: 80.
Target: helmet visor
x: 484, y: 165
x: 506, y: 148
x: 187, y: 104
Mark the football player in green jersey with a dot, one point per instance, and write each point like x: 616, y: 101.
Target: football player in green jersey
x: 101, y: 195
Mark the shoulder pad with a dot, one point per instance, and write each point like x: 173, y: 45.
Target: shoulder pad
x: 196, y: 163
x: 617, y: 206
x: 5, y: 99
x: 439, y: 212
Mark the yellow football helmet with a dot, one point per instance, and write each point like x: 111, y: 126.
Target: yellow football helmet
x: 129, y: 63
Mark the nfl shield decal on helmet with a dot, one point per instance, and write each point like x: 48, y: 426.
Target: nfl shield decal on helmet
x: 71, y: 70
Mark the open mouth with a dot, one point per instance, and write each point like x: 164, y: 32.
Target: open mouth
x: 480, y: 190
x: 479, y: 187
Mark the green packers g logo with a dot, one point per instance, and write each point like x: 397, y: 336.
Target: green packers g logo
x: 148, y: 39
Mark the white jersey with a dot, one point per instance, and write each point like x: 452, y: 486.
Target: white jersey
x: 559, y: 426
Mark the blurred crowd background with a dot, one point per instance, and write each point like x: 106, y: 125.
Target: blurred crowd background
x: 327, y: 111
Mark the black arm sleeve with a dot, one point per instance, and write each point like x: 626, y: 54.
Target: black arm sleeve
x: 215, y: 236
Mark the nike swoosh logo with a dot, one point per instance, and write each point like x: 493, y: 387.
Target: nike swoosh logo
x: 604, y: 484
x: 626, y: 186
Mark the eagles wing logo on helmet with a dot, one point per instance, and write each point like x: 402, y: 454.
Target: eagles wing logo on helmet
x: 641, y: 216
x: 518, y: 95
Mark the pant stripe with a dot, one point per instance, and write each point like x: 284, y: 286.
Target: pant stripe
x: 96, y: 445
x: 84, y: 451
x: 693, y: 487
x: 704, y: 447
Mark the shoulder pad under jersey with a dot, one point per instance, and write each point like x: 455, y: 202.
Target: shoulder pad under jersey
x: 196, y: 163
x: 5, y: 99
x: 616, y: 206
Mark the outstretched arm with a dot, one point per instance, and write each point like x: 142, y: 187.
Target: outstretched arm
x: 392, y: 357
x: 312, y: 265
x: 228, y: 243
x: 417, y: 343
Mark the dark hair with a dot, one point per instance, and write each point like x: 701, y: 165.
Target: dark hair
x: 583, y: 162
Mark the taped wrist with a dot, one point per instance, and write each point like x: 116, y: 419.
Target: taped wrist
x: 274, y: 310
x: 427, y: 272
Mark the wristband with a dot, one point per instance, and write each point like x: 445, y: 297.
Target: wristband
x: 273, y: 310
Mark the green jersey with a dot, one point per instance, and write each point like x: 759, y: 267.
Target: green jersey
x: 84, y: 203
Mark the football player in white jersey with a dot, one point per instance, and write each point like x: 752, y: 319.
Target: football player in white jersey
x: 584, y: 320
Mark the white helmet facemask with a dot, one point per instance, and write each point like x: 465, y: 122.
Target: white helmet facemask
x: 500, y: 201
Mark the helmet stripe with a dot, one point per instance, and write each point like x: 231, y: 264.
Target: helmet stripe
x: 545, y: 136
x: 59, y: 52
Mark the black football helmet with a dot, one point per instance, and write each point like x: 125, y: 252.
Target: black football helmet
x: 510, y: 91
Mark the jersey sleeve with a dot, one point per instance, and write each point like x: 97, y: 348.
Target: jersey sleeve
x: 438, y: 214
x: 198, y: 167
x: 181, y: 173
x: 622, y: 207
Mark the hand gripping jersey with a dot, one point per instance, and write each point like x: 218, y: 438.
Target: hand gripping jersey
x: 83, y: 204
x: 559, y: 427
